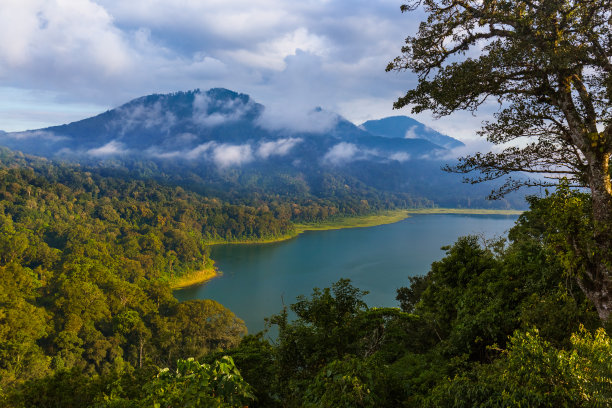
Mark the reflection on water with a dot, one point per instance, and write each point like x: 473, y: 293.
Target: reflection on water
x: 258, y: 278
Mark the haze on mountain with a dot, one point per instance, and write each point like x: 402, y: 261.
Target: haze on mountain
x: 227, y: 141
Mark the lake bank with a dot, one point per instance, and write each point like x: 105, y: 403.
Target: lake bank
x: 364, y: 221
x: 361, y: 221
x: 195, y: 278
x: 259, y: 279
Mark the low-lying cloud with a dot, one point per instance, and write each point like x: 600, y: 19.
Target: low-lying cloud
x: 143, y: 116
x: 411, y: 133
x: 230, y: 155
x: 112, y: 148
x: 210, y: 112
x: 35, y: 134
x: 400, y: 157
x: 294, y: 119
x: 280, y: 147
x: 342, y: 153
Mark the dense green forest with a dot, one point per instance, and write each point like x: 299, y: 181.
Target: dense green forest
x: 493, y: 324
x: 88, y: 317
x: 87, y: 261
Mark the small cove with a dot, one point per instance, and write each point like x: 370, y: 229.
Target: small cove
x: 258, y: 278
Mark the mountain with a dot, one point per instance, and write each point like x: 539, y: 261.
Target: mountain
x: 408, y: 128
x: 164, y: 126
x: 226, y: 142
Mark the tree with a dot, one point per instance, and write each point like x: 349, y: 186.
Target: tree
x: 198, y: 385
x: 548, y: 63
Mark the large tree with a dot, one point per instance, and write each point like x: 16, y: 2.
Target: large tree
x: 548, y: 64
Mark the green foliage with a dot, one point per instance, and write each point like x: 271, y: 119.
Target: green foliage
x: 345, y: 383
x: 85, y: 266
x: 547, y: 64
x: 534, y: 373
x: 198, y: 385
x: 334, y: 330
x: 87, y: 313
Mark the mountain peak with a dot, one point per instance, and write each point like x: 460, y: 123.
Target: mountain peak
x: 408, y: 128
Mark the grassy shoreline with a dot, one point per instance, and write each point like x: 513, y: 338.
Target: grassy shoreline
x: 362, y: 221
x: 466, y: 211
x: 195, y: 278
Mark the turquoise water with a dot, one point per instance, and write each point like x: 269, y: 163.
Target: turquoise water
x: 258, y: 278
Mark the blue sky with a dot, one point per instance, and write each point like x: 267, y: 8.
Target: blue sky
x: 64, y: 60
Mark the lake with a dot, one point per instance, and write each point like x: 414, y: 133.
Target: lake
x: 257, y: 278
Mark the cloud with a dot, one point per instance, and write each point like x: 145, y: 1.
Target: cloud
x: 400, y: 157
x: 295, y: 119
x: 344, y: 152
x: 213, y: 112
x: 112, y: 148
x: 42, y: 39
x: 141, y: 115
x: 290, y: 56
x: 223, y: 155
x: 471, y: 146
x: 199, y: 151
x: 232, y: 155
x: 35, y: 134
x: 411, y: 133
x: 272, y: 54
x: 341, y: 153
x: 279, y: 147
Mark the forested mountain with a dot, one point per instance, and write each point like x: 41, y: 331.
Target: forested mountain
x: 225, y: 141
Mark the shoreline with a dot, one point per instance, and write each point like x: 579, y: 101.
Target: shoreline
x: 363, y: 221
x: 195, y: 278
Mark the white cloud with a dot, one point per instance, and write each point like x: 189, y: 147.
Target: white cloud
x: 40, y: 37
x: 199, y: 151
x: 411, y: 133
x: 272, y: 54
x: 400, y: 157
x: 140, y: 115
x: 35, y: 134
x: 301, y: 54
x: 344, y: 152
x: 341, y: 153
x: 112, y: 148
x: 295, y: 119
x: 279, y: 147
x: 225, y: 155
x: 225, y: 111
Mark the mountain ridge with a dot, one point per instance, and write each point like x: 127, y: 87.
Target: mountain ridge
x: 226, y: 139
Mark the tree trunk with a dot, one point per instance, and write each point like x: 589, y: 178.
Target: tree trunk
x: 140, y: 351
x: 596, y: 283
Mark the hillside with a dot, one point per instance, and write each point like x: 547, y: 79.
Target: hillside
x: 223, y: 141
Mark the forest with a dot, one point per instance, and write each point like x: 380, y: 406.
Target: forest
x: 90, y: 251
x: 88, y: 317
x: 88, y: 261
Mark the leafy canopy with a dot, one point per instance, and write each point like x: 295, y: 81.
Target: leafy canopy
x: 546, y: 62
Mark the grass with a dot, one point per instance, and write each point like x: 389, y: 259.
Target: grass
x: 467, y: 211
x: 195, y: 278
x: 362, y: 221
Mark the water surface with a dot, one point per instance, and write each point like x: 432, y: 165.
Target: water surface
x: 257, y: 278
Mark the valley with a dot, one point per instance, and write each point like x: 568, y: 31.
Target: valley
x: 104, y: 249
